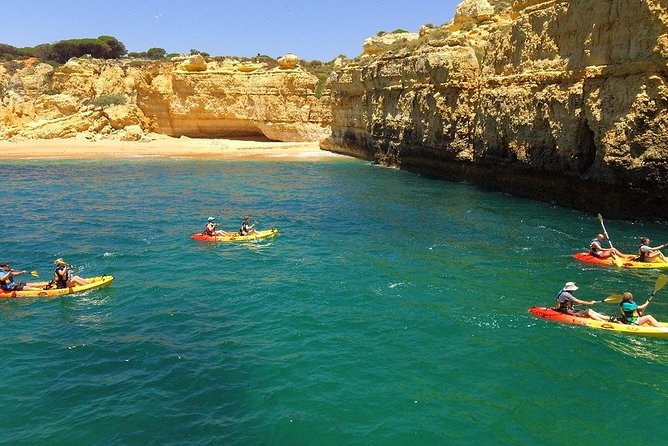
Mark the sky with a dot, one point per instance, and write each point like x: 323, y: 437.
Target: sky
x: 311, y: 29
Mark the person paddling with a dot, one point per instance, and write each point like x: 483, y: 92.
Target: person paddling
x: 210, y: 228
x: 597, y: 250
x: 62, y: 276
x: 566, y: 300
x: 7, y: 280
x: 632, y: 312
x: 647, y: 253
x: 245, y: 228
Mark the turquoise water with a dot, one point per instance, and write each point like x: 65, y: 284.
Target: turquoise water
x: 390, y: 310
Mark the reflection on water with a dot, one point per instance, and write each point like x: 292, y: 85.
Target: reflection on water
x: 654, y: 350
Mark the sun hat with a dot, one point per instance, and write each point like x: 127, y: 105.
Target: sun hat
x: 59, y: 261
x: 570, y: 286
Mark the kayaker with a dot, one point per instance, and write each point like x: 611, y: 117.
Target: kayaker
x: 62, y: 276
x: 210, y: 228
x: 566, y: 299
x: 597, y: 250
x: 647, y: 253
x: 245, y: 228
x: 632, y: 312
x: 7, y: 279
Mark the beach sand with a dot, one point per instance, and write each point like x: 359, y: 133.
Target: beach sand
x: 161, y: 146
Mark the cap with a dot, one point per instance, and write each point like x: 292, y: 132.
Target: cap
x: 210, y: 219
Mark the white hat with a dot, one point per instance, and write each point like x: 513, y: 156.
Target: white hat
x: 570, y: 286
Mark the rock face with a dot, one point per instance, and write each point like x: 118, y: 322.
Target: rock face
x: 128, y: 100
x: 562, y: 101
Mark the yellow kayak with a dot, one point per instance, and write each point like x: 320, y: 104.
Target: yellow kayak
x: 95, y: 282
x: 236, y: 237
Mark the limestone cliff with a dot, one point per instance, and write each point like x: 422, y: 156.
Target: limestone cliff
x: 129, y: 99
x: 560, y: 100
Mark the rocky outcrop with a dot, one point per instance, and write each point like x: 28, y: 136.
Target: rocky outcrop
x: 131, y: 99
x: 562, y: 101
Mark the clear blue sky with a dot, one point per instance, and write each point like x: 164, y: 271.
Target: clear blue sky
x: 312, y: 29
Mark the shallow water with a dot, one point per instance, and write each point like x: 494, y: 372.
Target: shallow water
x: 391, y: 309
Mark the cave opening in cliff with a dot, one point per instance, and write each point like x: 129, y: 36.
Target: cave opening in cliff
x: 585, y: 152
x: 224, y: 129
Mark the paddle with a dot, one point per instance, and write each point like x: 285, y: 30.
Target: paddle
x: 613, y: 299
x: 660, y: 283
x: 615, y: 259
x: 617, y: 298
x: 34, y: 273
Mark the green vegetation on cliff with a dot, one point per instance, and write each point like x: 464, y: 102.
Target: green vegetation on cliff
x: 103, y: 47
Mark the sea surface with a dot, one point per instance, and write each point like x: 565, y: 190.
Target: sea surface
x: 391, y: 309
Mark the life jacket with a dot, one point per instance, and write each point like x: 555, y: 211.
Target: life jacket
x: 209, y: 230
x: 6, y: 283
x: 564, y: 306
x: 642, y: 256
x: 61, y: 276
x: 593, y: 251
x: 244, y: 229
x: 629, y: 317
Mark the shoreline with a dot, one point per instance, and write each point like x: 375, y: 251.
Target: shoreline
x: 165, y: 147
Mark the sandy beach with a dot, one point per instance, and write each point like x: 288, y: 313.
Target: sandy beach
x: 163, y: 147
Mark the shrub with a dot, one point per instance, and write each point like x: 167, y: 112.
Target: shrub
x: 156, y: 53
x: 104, y: 47
x: 109, y: 99
x: 322, y: 83
x: 193, y: 52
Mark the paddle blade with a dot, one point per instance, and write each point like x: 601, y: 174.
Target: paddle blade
x: 660, y: 282
x: 613, y: 299
x: 34, y: 273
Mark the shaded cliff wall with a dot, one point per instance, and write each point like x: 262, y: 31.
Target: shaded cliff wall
x: 129, y: 99
x: 561, y: 101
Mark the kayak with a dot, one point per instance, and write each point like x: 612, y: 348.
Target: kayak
x: 617, y: 327
x: 625, y: 262
x: 96, y: 282
x: 235, y: 236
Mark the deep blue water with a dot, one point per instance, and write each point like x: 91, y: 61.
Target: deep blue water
x: 390, y: 310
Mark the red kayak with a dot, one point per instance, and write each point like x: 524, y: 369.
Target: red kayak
x: 628, y: 261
